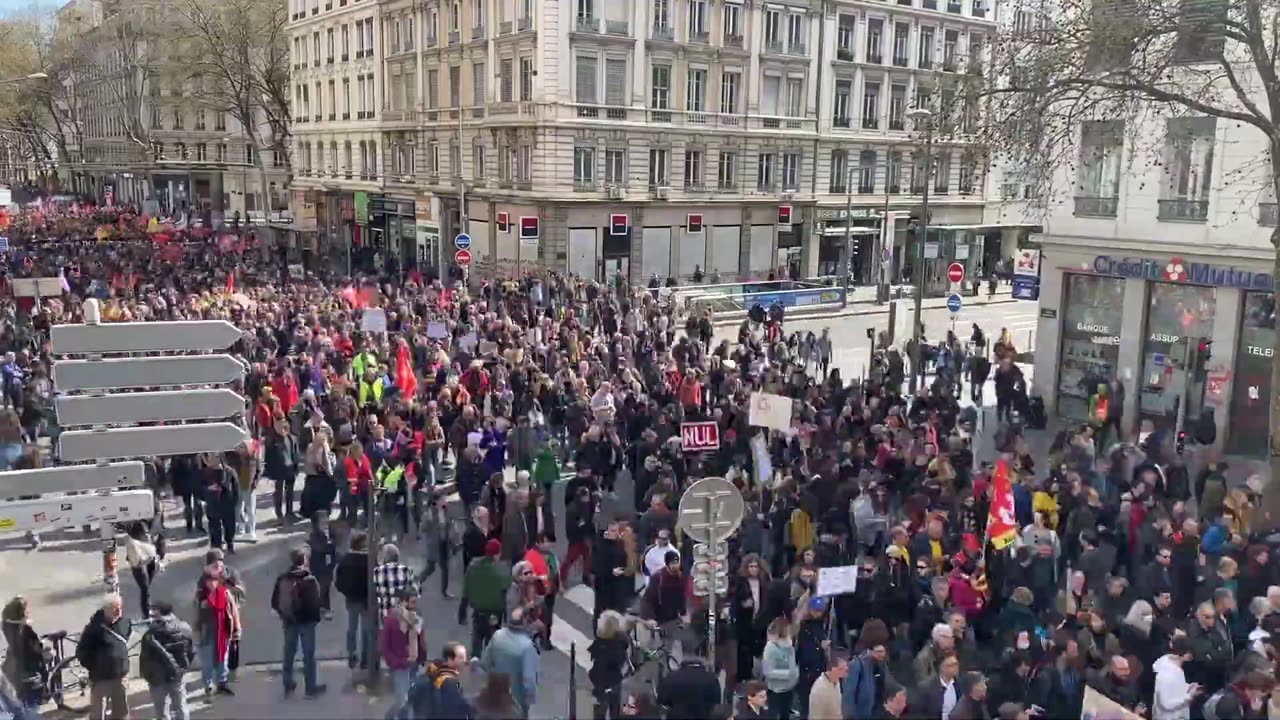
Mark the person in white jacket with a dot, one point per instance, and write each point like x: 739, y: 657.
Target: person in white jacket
x: 1173, y: 693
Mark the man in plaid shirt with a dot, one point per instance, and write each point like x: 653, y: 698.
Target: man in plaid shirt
x: 391, y: 577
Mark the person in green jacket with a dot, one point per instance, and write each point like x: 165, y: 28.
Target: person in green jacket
x: 484, y: 589
x: 546, y: 470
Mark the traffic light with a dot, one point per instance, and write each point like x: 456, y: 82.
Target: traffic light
x: 1181, y: 445
x: 1204, y: 353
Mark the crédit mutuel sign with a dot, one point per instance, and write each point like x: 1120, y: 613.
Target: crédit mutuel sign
x: 1178, y: 270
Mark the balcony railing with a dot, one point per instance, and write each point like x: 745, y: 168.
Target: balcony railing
x: 455, y: 37
x: 1184, y: 210
x: 1096, y: 206
x: 845, y: 54
x: 663, y: 32
x: 929, y: 4
x: 979, y: 11
x: 734, y: 41
x: 504, y: 27
x: 588, y: 24
x: 875, y: 58
x: 701, y: 38
x: 617, y: 27
x: 1268, y: 214
x: 870, y: 123
x: 774, y: 46
x: 954, y: 7
x: 842, y: 122
x: 524, y: 23
x: 926, y: 63
x: 477, y: 32
x: 901, y: 60
x: 897, y: 123
x: 797, y: 48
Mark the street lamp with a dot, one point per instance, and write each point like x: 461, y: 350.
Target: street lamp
x: 921, y: 116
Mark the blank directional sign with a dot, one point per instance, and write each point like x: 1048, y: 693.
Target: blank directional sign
x: 63, y: 512
x: 147, y: 407
x: 143, y: 337
x: 70, y: 478
x: 78, y: 445
x: 126, y: 373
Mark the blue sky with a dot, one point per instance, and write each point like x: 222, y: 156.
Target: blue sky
x: 10, y: 6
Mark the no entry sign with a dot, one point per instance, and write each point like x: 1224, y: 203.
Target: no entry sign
x: 955, y: 272
x: 462, y: 257
x: 700, y: 436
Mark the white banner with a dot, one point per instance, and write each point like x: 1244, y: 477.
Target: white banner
x: 837, y: 580
x: 771, y: 411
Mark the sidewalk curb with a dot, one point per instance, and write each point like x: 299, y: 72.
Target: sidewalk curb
x: 869, y: 307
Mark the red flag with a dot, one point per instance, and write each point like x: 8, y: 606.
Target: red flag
x: 404, y: 377
x: 1002, y: 525
x: 231, y: 283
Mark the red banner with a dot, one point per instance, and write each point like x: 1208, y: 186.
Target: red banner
x: 1002, y: 525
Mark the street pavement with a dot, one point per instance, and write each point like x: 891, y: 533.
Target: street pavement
x: 62, y: 577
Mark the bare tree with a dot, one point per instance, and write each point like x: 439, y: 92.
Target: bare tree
x: 238, y: 52
x: 1071, y: 62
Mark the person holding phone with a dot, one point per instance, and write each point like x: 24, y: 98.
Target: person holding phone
x: 1173, y: 694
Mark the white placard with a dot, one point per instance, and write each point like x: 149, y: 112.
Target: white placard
x: 488, y: 347
x: 374, y: 320
x: 437, y: 329
x: 771, y: 411
x: 837, y: 580
x: 1027, y: 264
x: 931, y: 251
x: 468, y: 342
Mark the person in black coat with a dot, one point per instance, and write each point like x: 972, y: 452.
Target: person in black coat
x: 184, y: 478
x: 221, y: 498
x: 608, y: 569
x: 608, y: 653
x: 103, y: 651
x: 24, y: 662
x: 691, y: 691
x: 931, y: 692
x: 748, y: 596
x: 281, y: 458
x: 351, y: 578
x: 755, y: 703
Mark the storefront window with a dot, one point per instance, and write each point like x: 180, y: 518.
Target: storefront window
x: 1178, y: 318
x: 1091, y: 320
x: 1251, y: 388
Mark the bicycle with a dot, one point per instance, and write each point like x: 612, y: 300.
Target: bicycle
x: 642, y: 658
x: 66, y: 674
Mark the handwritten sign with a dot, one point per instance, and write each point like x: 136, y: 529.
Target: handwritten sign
x: 437, y: 330
x: 374, y: 320
x: 837, y: 580
x: 771, y: 411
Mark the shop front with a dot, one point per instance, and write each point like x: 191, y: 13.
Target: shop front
x: 1092, y: 323
x: 1190, y: 338
x: 1251, y: 391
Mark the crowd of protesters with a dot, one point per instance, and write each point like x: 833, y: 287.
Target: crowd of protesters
x: 446, y: 416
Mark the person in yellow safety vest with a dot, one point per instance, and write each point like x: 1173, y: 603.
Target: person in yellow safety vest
x: 363, y: 362
x: 370, y: 390
x: 390, y: 483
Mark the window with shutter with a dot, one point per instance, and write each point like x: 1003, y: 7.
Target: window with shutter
x: 433, y: 89
x: 770, y: 92
x: 615, y: 82
x: 478, y: 88
x: 455, y: 86
x: 507, y: 73
x: 586, y: 79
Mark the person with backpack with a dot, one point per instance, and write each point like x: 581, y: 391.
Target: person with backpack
x: 439, y: 693
x: 296, y: 599
x: 163, y: 660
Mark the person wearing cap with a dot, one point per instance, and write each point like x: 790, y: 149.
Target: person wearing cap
x: 484, y: 590
x: 665, y: 597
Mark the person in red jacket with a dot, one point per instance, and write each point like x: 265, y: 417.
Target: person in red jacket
x: 359, y: 474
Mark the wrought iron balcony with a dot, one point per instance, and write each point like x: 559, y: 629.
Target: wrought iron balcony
x: 1096, y: 206
x: 1184, y: 210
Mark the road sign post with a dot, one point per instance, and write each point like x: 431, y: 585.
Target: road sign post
x: 955, y: 272
x: 462, y: 257
x: 462, y: 241
x: 710, y: 512
x: 101, y: 420
x: 954, y: 303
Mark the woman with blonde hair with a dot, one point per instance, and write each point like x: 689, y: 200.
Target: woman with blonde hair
x: 609, y: 655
